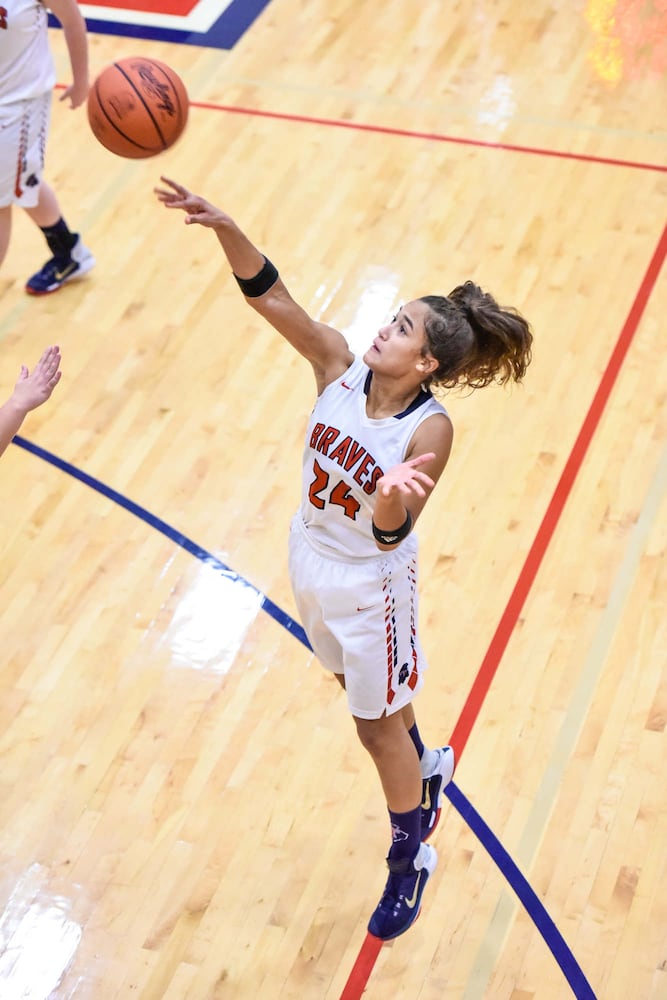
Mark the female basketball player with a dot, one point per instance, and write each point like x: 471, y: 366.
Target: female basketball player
x: 32, y: 389
x: 27, y: 77
x: 376, y: 444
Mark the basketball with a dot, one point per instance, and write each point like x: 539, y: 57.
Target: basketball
x: 137, y: 107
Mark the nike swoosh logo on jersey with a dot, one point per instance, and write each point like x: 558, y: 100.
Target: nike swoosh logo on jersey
x: 346, y: 386
x: 410, y: 903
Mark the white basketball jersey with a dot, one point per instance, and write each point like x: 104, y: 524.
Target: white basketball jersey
x: 26, y: 65
x: 345, y: 454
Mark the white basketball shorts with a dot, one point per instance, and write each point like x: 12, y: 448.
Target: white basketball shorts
x: 361, y: 620
x: 24, y: 128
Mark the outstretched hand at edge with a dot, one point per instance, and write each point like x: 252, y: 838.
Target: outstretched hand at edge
x: 34, y: 388
x: 31, y: 390
x: 198, y: 210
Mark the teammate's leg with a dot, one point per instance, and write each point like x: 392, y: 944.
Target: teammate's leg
x: 70, y: 258
x: 5, y: 230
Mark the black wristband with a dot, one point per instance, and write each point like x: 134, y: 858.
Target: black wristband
x: 252, y: 288
x: 394, y: 536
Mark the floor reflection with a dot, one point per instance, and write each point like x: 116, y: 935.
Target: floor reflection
x: 377, y: 302
x: 630, y: 38
x: 211, y: 620
x: 37, y: 939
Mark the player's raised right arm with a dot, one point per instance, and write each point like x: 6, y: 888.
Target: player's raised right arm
x: 322, y: 345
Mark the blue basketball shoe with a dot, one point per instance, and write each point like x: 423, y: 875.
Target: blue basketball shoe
x: 432, y: 787
x: 401, y: 900
x: 59, y: 270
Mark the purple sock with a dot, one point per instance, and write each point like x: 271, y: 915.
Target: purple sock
x: 417, y: 740
x: 406, y: 832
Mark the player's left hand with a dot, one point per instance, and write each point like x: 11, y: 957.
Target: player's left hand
x: 34, y: 388
x: 77, y: 93
x: 406, y: 477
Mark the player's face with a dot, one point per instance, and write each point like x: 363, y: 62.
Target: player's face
x: 400, y: 345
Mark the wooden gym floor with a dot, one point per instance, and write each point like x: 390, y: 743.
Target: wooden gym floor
x: 185, y: 811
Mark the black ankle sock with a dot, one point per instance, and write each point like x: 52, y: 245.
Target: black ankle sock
x: 59, y: 238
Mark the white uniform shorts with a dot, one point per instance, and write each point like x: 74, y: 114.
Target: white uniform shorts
x: 24, y: 127
x: 361, y: 620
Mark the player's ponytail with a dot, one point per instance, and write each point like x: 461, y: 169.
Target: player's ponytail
x: 474, y: 340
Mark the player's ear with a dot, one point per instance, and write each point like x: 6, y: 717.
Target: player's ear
x: 427, y: 365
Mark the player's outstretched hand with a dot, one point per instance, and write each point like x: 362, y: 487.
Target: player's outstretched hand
x: 31, y: 390
x: 406, y: 477
x: 34, y: 388
x: 197, y: 209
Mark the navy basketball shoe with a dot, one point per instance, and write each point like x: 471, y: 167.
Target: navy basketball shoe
x: 59, y: 270
x: 401, y: 900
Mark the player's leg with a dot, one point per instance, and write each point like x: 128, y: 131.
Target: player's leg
x: 384, y: 671
x: 10, y: 154
x: 354, y: 646
x: 410, y: 861
x: 46, y: 213
x: 391, y: 745
x: 387, y: 741
x: 437, y: 769
x: 69, y: 257
x: 5, y: 230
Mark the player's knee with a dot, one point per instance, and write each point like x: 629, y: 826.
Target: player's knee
x: 373, y: 736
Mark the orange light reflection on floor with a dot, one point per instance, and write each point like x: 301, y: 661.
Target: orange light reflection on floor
x: 631, y: 38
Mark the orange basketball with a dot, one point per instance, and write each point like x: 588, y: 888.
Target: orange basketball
x: 137, y: 107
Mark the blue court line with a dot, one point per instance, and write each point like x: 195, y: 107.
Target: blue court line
x: 535, y: 909
x: 186, y: 543
x: 224, y: 33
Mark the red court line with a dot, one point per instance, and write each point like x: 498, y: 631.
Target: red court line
x: 430, y: 136
x: 371, y: 947
x: 546, y: 530
x: 178, y: 7
x: 362, y: 968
